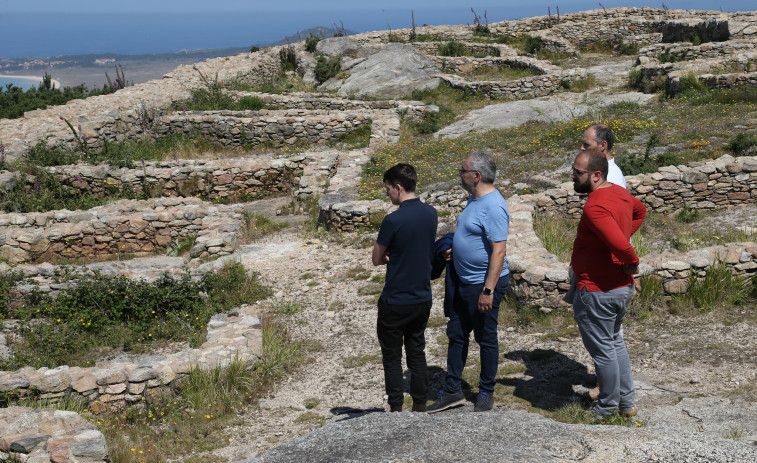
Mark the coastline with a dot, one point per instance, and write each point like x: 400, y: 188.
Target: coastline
x: 38, y: 79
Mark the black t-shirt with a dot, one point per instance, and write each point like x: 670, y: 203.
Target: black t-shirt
x: 408, y: 235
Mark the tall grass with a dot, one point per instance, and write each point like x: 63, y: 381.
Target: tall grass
x: 169, y: 426
x: 557, y: 233
x: 719, y: 288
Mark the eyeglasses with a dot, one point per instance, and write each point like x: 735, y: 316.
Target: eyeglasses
x: 578, y: 172
x: 465, y: 171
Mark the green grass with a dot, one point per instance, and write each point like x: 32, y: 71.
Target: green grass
x: 574, y: 413
x: 718, y: 289
x: 169, y: 426
x: 354, y: 139
x: 257, y: 226
x: 648, y: 297
x: 557, y: 233
x: 101, y: 314
x: 354, y: 361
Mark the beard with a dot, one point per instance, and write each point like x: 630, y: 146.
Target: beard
x: 582, y: 187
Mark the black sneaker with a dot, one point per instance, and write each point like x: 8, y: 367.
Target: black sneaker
x: 446, y: 400
x: 484, y: 402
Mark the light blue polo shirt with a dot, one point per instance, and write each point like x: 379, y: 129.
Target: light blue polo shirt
x: 483, y: 221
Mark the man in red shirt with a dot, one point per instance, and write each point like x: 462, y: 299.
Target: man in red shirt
x: 604, y: 263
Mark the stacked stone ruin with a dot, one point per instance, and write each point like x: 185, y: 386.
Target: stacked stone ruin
x: 179, y: 191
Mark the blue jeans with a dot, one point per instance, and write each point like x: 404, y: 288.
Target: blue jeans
x: 600, y: 315
x: 464, y: 319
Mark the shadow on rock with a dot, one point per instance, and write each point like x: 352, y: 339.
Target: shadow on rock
x: 548, y: 380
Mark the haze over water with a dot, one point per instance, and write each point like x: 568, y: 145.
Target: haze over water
x: 44, y: 28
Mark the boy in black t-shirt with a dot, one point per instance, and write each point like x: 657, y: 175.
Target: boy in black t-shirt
x: 405, y: 244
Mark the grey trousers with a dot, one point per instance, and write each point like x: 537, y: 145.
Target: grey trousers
x: 600, y: 315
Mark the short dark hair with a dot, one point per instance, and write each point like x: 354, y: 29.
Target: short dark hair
x: 597, y: 161
x: 402, y: 174
x: 604, y: 133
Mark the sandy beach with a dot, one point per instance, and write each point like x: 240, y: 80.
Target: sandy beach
x: 38, y: 79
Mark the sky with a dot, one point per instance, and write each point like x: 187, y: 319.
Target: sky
x: 46, y: 28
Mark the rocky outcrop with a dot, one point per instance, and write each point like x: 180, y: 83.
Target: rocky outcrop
x: 393, y: 72
x: 692, y: 430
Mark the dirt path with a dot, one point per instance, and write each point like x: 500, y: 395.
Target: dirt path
x: 541, y: 365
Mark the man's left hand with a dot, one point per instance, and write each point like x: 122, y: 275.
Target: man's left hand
x: 485, y: 302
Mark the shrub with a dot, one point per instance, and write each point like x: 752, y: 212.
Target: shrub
x: 480, y: 28
x: 251, y: 103
x: 742, y: 142
x: 326, y: 68
x: 101, y: 313
x: 311, y: 42
x: 14, y: 101
x: 453, y: 48
x: 688, y: 215
x: 288, y: 58
x: 532, y: 44
x: 254, y: 48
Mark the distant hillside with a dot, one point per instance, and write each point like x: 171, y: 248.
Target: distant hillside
x: 318, y: 31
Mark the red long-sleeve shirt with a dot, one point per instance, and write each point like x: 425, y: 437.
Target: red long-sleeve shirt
x: 602, y: 246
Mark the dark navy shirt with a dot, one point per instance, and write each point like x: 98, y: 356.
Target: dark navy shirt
x: 408, y: 235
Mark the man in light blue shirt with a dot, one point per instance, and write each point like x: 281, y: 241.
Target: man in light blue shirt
x: 478, y: 253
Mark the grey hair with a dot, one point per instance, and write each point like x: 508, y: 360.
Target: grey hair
x: 483, y: 162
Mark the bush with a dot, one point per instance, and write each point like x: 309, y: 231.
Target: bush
x: 102, y: 313
x: 14, y: 101
x: 311, y: 42
x: 251, y: 103
x: 326, y: 68
x: 532, y: 45
x: 453, y: 48
x: 742, y: 142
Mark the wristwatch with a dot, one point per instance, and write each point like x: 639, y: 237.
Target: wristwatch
x: 486, y: 291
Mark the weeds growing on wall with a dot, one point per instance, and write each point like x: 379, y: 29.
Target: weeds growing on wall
x: 99, y: 314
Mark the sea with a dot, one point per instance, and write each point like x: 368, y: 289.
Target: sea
x: 77, y: 31
x: 24, y: 84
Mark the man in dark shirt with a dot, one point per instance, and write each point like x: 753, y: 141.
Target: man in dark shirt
x: 405, y: 244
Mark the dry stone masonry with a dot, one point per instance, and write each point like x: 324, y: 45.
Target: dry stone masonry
x: 724, y: 58
x: 48, y: 435
x: 114, y: 385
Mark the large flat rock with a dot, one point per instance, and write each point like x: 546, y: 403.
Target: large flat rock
x: 393, y: 72
x: 547, y: 109
x: 695, y: 430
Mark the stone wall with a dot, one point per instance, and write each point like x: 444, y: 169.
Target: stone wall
x: 47, y: 435
x: 113, y: 386
x: 720, y: 183
x: 415, y: 110
x: 251, y: 128
x: 486, y: 49
x: 121, y: 228
x: 466, y: 64
x: 540, y: 278
x: 527, y: 87
x: 687, y: 51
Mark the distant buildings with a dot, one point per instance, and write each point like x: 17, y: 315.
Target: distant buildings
x: 105, y: 60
